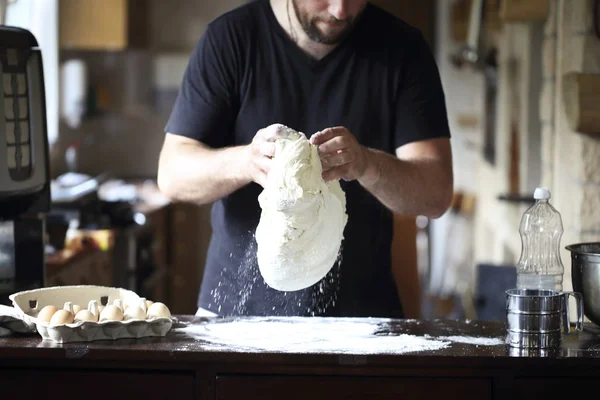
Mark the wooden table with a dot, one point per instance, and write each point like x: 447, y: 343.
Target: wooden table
x: 181, y: 367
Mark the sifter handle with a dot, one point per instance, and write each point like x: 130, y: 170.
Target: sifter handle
x: 567, y: 316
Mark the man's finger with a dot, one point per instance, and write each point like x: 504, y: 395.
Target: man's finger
x: 333, y: 174
x: 267, y: 149
x: 339, y: 159
x: 264, y: 163
x: 325, y: 164
x: 270, y: 133
x: 334, y: 145
x: 326, y: 135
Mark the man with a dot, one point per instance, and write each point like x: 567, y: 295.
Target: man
x: 363, y: 85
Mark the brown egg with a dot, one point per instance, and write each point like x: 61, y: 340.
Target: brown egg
x: 46, y: 313
x: 85, y: 315
x: 61, y: 317
x: 149, y: 303
x: 134, y: 312
x: 111, y: 313
x: 158, y: 310
x: 76, y: 309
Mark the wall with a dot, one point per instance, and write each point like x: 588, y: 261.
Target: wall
x: 463, y: 89
x: 519, y: 88
x: 571, y: 160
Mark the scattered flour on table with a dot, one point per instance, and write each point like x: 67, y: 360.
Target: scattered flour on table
x: 478, y: 341
x: 314, y: 335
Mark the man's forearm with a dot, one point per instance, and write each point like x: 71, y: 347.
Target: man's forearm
x: 420, y: 187
x: 200, y: 174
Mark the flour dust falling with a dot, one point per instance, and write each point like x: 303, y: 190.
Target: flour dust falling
x: 248, y: 275
x: 254, y: 297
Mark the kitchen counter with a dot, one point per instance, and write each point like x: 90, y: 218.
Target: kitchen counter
x: 374, y: 358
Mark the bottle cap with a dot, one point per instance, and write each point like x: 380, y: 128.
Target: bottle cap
x: 541, y: 194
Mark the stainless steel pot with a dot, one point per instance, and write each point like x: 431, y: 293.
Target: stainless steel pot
x: 585, y: 273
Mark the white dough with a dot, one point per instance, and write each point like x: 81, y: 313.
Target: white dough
x: 303, y: 217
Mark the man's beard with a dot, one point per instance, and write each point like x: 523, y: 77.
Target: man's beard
x: 309, y: 25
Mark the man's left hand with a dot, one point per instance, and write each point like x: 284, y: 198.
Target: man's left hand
x: 342, y: 156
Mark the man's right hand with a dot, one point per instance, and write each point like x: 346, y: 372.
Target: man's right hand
x: 261, y: 152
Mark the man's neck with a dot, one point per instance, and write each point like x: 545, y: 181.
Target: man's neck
x: 286, y: 16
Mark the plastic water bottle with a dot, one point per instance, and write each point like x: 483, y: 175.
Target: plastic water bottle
x: 540, y: 265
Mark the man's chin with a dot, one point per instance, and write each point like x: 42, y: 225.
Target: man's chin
x: 329, y: 37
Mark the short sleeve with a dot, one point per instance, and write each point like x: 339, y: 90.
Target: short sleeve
x: 204, y: 107
x: 421, y: 107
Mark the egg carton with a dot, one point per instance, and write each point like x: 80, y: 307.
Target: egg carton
x: 12, y: 321
x: 29, y: 303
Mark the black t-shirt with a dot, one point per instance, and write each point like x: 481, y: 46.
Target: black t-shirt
x: 381, y: 82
